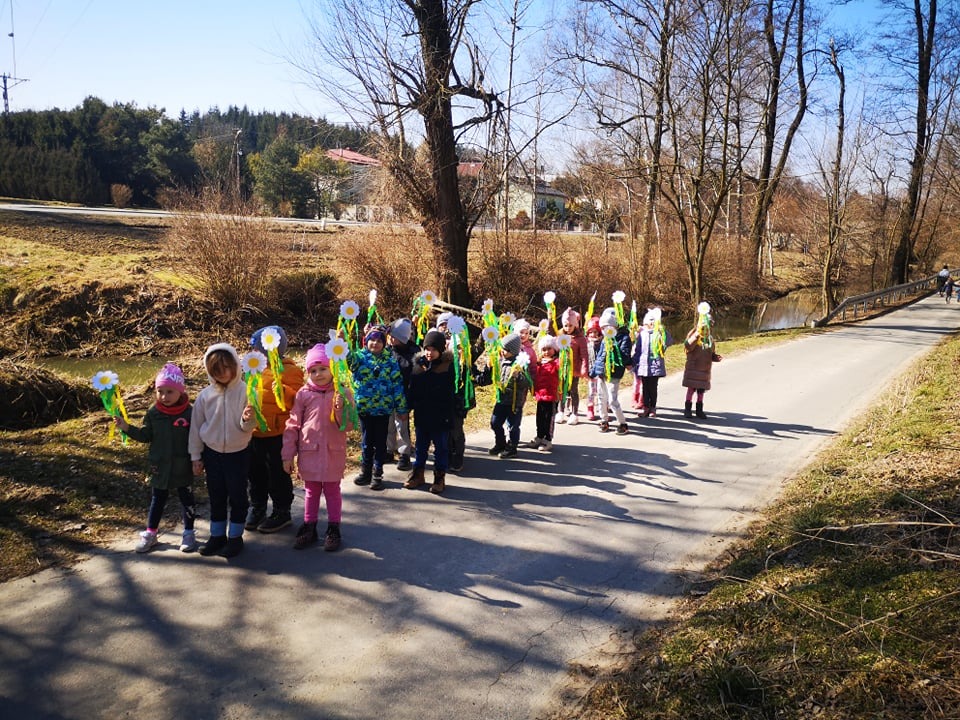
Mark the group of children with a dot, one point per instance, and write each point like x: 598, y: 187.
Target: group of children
x: 300, y: 423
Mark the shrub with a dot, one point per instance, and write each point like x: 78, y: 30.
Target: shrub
x: 120, y: 195
x: 307, y: 296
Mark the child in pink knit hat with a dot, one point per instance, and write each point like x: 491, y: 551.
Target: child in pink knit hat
x: 316, y: 436
x: 166, y: 427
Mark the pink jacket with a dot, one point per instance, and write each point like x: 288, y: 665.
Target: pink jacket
x: 581, y: 362
x: 317, y: 441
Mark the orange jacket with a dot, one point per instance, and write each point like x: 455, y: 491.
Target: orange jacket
x: 292, y: 380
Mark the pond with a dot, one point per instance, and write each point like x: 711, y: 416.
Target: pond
x: 797, y: 309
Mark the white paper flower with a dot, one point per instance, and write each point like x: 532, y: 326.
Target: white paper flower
x: 564, y: 341
x: 373, y: 298
x: 104, y: 380
x: 703, y: 308
x: 490, y: 334
x: 456, y: 325
x: 549, y: 297
x: 488, y: 306
x: 619, y: 296
x: 429, y: 297
x: 609, y: 331
x: 508, y: 319
x: 349, y: 310
x: 270, y: 338
x: 337, y: 349
x: 544, y: 326
x: 254, y: 362
x: 522, y: 361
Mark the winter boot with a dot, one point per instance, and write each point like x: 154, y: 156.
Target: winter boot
x: 331, y: 541
x: 364, y: 476
x: 376, y: 481
x: 687, y: 412
x: 439, y: 482
x: 306, y: 535
x: 415, y: 479
x: 403, y: 464
x: 700, y: 413
x: 255, y: 515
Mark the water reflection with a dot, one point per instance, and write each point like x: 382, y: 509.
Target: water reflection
x: 797, y: 309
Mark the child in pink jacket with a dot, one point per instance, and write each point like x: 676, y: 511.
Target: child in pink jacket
x: 313, y: 435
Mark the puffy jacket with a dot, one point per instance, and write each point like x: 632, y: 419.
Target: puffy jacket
x: 620, y: 362
x: 644, y: 364
x: 581, y: 361
x: 169, y: 456
x: 515, y: 386
x: 546, y: 380
x: 433, y: 397
x: 377, y: 383
x: 315, y: 439
x: 291, y: 380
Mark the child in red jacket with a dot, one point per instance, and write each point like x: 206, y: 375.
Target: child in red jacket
x: 546, y: 389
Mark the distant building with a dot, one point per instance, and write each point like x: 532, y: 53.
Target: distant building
x: 358, y: 195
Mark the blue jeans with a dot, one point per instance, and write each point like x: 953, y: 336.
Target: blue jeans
x: 439, y: 439
x: 227, y: 484
x: 504, y: 413
x: 373, y: 439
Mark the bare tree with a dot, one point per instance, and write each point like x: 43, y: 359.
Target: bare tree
x: 412, y: 69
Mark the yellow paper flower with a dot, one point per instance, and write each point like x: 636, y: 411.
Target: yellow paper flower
x: 619, y: 296
x: 456, y: 325
x: 549, y: 297
x: 254, y: 362
x: 337, y: 349
x: 104, y: 380
x: 349, y: 310
x: 487, y: 306
x: 508, y: 318
x: 608, y: 331
x: 490, y: 334
x: 564, y: 341
x: 270, y: 338
x: 429, y: 297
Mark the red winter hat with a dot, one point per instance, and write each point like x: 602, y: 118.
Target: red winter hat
x: 594, y: 324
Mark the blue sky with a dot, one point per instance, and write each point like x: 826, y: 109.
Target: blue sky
x: 168, y: 53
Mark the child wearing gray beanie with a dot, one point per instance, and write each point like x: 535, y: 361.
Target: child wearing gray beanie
x: 511, y: 395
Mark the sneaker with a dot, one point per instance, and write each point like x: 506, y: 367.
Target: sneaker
x: 604, y: 426
x: 560, y: 418
x: 535, y: 443
x: 573, y: 420
x: 496, y: 450
x: 545, y: 446
x: 508, y: 452
x: 331, y: 541
x: 306, y: 536
x: 652, y: 413
x: 148, y: 541
x: 188, y: 543
x: 213, y: 545
x: 277, y: 521
x: 233, y: 547
x: 255, y: 515
x: 622, y: 429
x: 403, y: 464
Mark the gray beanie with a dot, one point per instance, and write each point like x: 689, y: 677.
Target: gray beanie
x: 443, y: 318
x: 512, y: 344
x: 402, y: 329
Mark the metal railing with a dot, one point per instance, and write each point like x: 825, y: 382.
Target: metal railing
x: 868, y: 302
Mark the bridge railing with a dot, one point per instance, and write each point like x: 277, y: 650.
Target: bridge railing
x: 858, y: 305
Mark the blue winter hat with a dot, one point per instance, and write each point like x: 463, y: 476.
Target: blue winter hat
x: 258, y: 345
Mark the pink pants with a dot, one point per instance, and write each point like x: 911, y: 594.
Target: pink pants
x: 311, y: 500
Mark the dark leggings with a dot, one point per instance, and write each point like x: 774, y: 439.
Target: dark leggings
x: 546, y: 412
x: 373, y: 439
x: 650, y: 392
x: 158, y: 501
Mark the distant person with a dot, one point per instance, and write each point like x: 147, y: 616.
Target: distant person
x: 546, y: 391
x: 378, y: 388
x: 649, y: 361
x: 400, y: 338
x: 580, y: 365
x: 433, y: 402
x: 512, y: 387
x: 220, y: 431
x: 948, y: 287
x: 701, y: 354
x: 594, y: 341
x: 267, y: 478
x: 166, y: 427
x: 611, y: 361
x: 943, y: 276
x: 316, y: 436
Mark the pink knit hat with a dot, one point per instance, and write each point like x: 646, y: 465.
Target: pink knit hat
x: 317, y: 355
x: 171, y: 376
x: 570, y: 317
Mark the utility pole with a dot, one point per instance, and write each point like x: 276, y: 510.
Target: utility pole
x: 237, y: 152
x: 8, y: 78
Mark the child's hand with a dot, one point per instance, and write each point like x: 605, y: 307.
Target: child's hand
x: 247, y: 413
x: 288, y: 467
x: 338, y: 402
x: 197, y: 468
x: 121, y: 423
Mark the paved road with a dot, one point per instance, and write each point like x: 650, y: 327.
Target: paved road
x: 470, y: 605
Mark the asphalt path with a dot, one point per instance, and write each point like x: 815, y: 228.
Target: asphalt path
x: 473, y: 604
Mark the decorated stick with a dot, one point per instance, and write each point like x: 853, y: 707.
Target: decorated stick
x: 634, y: 324
x: 463, y: 360
x: 612, y: 353
x: 347, y: 324
x: 338, y: 352
x: 705, y: 324
x: 658, y: 338
x: 506, y: 322
x: 489, y: 316
x: 565, y: 343
x: 589, y: 315
x: 618, y: 298
x: 549, y: 298
x: 253, y: 364
x: 270, y: 339
x: 543, y: 328
x: 107, y: 383
x: 422, y: 305
x: 372, y: 312
x: 491, y: 341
